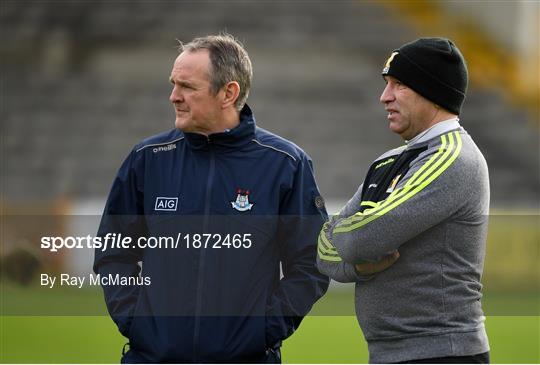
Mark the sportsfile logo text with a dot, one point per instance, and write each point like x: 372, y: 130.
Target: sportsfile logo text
x: 120, y: 241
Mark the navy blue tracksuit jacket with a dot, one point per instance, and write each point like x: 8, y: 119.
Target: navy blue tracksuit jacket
x: 228, y: 301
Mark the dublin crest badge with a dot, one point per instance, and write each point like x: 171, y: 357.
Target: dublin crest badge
x: 242, y: 203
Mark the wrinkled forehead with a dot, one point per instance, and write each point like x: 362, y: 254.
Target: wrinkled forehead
x: 192, y: 63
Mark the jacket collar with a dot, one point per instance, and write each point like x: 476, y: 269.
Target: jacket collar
x: 434, y: 131
x: 243, y: 133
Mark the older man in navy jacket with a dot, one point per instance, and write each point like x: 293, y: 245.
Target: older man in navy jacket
x: 213, y: 208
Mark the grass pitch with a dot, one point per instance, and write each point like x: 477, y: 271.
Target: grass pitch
x: 70, y: 339
x: 64, y: 336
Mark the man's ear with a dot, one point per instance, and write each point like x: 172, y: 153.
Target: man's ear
x: 231, y: 92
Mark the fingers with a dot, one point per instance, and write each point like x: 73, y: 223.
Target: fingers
x: 375, y: 267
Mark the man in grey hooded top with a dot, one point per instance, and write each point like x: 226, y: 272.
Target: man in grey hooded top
x: 427, y: 200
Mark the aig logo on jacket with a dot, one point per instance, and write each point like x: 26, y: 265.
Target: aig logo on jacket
x: 166, y: 204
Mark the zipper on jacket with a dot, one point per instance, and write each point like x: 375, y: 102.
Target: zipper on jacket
x: 200, y: 279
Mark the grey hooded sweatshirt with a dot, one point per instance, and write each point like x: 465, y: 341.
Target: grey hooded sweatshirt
x: 430, y: 201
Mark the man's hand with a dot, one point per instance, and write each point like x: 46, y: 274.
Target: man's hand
x: 369, y: 268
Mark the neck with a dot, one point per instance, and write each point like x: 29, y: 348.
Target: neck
x: 440, y: 116
x: 229, y: 119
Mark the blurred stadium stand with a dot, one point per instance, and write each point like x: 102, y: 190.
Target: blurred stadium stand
x: 82, y: 82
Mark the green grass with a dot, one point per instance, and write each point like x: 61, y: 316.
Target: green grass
x: 318, y: 340
x: 60, y: 301
x: 514, y: 339
x: 64, y: 336
x: 339, y: 340
x: 60, y: 340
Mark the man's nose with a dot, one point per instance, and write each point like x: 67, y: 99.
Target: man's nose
x: 386, y: 95
x: 176, y: 95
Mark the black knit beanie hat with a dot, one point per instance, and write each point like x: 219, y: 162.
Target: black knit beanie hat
x: 434, y: 68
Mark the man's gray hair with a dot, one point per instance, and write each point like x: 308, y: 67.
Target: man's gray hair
x: 229, y: 61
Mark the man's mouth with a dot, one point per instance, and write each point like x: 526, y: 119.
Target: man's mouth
x: 391, y: 113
